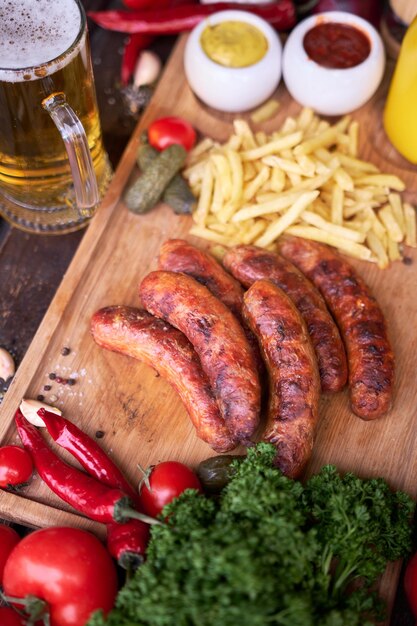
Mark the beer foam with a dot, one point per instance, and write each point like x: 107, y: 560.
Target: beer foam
x: 34, y: 32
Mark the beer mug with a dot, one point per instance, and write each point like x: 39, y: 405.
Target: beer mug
x: 53, y: 166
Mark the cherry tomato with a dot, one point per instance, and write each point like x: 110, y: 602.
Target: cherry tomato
x: 166, y: 481
x: 168, y: 130
x: 410, y: 583
x: 9, y: 617
x: 16, y: 466
x: 68, y: 568
x: 8, y: 539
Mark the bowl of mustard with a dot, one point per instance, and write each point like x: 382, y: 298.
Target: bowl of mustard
x: 232, y: 60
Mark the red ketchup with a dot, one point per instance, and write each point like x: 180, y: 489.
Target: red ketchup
x: 336, y: 45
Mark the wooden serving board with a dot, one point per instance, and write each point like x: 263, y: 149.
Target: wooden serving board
x: 141, y: 417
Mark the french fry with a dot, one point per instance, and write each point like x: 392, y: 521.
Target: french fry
x: 356, y: 164
x: 353, y: 133
x: 305, y: 118
x: 237, y: 176
x: 337, y: 205
x: 277, y: 180
x: 276, y: 204
x: 275, y: 229
x: 323, y: 140
x: 378, y: 249
x: 343, y: 180
x: 393, y: 250
x: 382, y: 180
x: 397, y: 210
x: 265, y: 112
x: 288, y: 141
x: 254, y: 231
x: 352, y: 248
x: 204, y: 200
x: 341, y: 231
x: 223, y: 171
x: 410, y: 225
x: 284, y: 164
x: 391, y: 225
x: 252, y: 188
x: 206, y: 233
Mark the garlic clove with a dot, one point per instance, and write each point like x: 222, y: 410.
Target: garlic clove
x: 30, y: 409
x: 147, y: 69
x: 7, y: 367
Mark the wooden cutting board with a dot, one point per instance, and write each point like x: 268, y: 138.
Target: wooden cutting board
x: 141, y: 417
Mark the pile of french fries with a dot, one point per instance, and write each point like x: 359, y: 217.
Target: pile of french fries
x: 305, y: 179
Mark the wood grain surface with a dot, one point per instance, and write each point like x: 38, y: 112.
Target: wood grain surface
x: 141, y: 417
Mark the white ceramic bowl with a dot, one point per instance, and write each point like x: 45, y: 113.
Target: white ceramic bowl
x: 233, y: 89
x: 332, y: 91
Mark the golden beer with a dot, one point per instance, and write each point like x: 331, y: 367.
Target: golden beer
x: 36, y: 179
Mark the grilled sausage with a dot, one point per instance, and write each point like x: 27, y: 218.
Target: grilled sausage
x: 294, y: 382
x: 360, y: 320
x: 219, y: 341
x: 177, y: 255
x: 248, y: 263
x: 138, y: 334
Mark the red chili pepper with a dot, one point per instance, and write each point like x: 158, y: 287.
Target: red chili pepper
x: 174, y: 20
x: 86, y: 494
x: 87, y: 452
x: 126, y: 542
x: 134, y: 45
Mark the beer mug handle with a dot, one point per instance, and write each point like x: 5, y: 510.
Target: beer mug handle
x: 76, y: 144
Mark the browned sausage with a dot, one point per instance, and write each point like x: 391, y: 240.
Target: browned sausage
x: 293, y: 374
x: 138, y: 334
x: 219, y: 341
x: 248, y: 263
x: 360, y: 320
x: 177, y: 255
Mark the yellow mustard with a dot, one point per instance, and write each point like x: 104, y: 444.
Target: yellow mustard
x: 400, y: 114
x: 234, y: 44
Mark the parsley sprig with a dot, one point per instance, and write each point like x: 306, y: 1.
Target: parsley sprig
x: 269, y: 551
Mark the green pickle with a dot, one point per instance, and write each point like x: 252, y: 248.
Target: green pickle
x: 148, y: 189
x: 177, y: 194
x: 215, y: 472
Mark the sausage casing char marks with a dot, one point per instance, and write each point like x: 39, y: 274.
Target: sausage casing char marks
x: 249, y: 263
x: 178, y: 255
x: 138, y: 334
x: 219, y: 341
x: 360, y: 320
x: 294, y: 383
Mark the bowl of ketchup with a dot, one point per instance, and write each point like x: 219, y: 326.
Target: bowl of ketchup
x: 333, y: 62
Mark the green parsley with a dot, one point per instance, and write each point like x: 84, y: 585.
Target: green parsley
x: 269, y: 551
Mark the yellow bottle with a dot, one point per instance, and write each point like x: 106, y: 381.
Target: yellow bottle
x: 400, y: 114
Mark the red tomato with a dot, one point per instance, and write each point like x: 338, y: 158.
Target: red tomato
x: 168, y: 130
x: 16, y: 466
x: 167, y: 481
x: 410, y: 583
x: 8, y: 539
x: 68, y: 568
x: 9, y: 617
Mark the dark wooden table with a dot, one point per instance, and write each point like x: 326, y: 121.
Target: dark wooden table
x: 32, y: 266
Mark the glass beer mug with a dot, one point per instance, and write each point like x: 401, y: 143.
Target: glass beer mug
x: 53, y: 166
